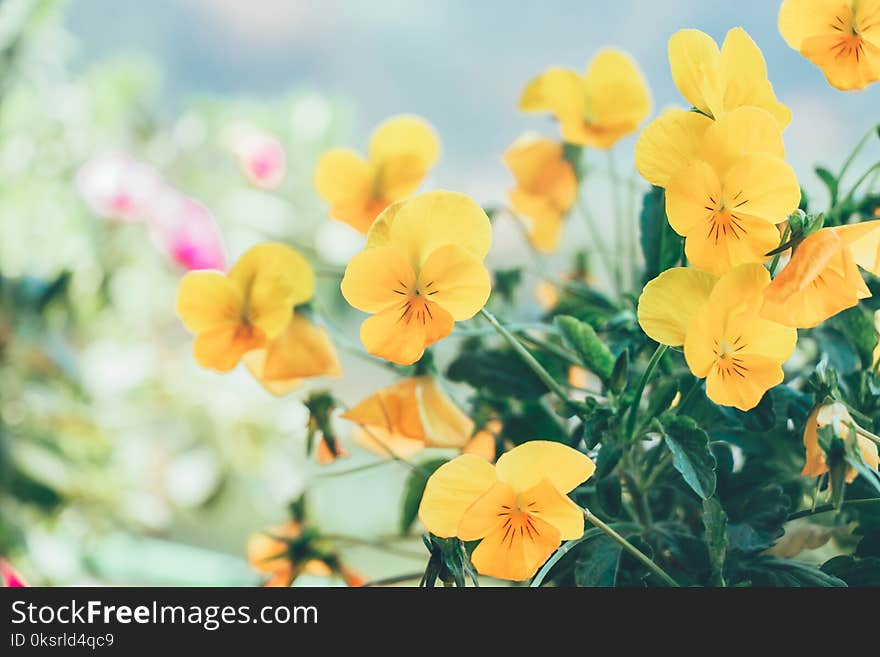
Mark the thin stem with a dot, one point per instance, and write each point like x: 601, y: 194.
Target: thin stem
x: 360, y: 468
x: 822, y: 508
x: 852, y: 156
x: 775, y: 262
x: 863, y: 178
x: 688, y: 396
x: 479, y: 331
x: 629, y: 547
x: 864, y: 433
x: 561, y: 551
x: 640, y: 389
x: 599, y: 243
x: 622, y: 233
x: 527, y: 357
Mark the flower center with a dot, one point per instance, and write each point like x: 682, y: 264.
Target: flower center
x: 727, y: 362
x: 850, y: 42
x: 416, y: 304
x: 518, y: 520
x: 724, y: 220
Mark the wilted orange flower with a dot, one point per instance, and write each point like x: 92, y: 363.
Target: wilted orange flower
x: 519, y: 507
x: 595, y: 109
x: 422, y: 270
x: 401, y: 152
x: 727, y: 183
x: 841, y: 37
x: 546, y: 187
x: 303, y: 350
x: 822, y: 278
x: 836, y: 416
x: 245, y: 309
x: 719, y: 81
x: 325, y: 455
x: 410, y: 415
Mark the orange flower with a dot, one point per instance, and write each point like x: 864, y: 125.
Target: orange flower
x: 836, y: 416
x: 324, y: 455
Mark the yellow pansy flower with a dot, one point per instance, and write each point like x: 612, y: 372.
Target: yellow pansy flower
x: 408, y: 416
x: 727, y: 183
x: 301, y: 351
x: 400, y: 153
x: 837, y: 416
x: 421, y: 271
x: 725, y: 340
x: 595, y: 109
x: 822, y: 278
x: 519, y: 508
x: 546, y: 187
x: 719, y: 81
x: 841, y: 37
x: 231, y: 314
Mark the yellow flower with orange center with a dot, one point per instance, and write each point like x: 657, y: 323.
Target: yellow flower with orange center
x: 232, y: 314
x: 301, y: 351
x: 725, y: 340
x: 822, y: 278
x: 719, y: 81
x: 727, y: 183
x: 401, y: 152
x: 841, y: 37
x: 421, y: 271
x: 838, y: 418
x: 518, y: 509
x: 595, y: 109
x: 411, y: 415
x: 546, y: 187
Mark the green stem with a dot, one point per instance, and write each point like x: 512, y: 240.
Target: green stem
x: 822, y: 508
x: 561, y: 551
x: 480, y: 331
x: 622, y: 233
x: 775, y: 262
x: 637, y: 399
x: 688, y: 396
x: 527, y: 357
x: 629, y: 547
x: 864, y: 433
x: 852, y: 156
x: 599, y: 244
x: 855, y: 187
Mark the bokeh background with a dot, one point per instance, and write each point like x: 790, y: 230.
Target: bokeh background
x: 120, y: 460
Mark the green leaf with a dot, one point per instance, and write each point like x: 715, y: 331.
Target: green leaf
x: 497, y: 371
x: 830, y: 182
x: 620, y: 373
x: 608, y: 494
x: 857, y: 325
x: 598, y: 562
x: 692, y: 457
x: 854, y: 571
x: 582, y: 339
x: 715, y: 524
x: 661, y: 245
x: 609, y: 456
x: 842, y: 355
x: 413, y: 491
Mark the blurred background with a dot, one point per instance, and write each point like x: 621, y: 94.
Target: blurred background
x: 121, y: 461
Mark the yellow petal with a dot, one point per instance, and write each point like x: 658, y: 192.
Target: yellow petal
x: 273, y: 278
x: 428, y: 221
x: 405, y: 135
x: 554, y: 508
x: 769, y: 187
x: 207, y: 299
x: 221, y: 348
x: 455, y: 280
x: 557, y: 90
x: 516, y: 555
x: 863, y: 240
x: 488, y: 512
x: 669, y: 303
x: 451, y: 489
x: 387, y: 445
x: 691, y: 54
x: 617, y: 98
x: 689, y: 197
x: 378, y: 279
x: 395, y: 409
x: 743, y: 131
x: 483, y: 443
x: 401, y: 334
x: 344, y: 180
x: 668, y: 144
x: 802, y: 19
x: 303, y: 350
x: 444, y: 423
x: 526, y: 465
x: 542, y: 216
x: 815, y: 457
x: 739, y: 291
x: 746, y: 390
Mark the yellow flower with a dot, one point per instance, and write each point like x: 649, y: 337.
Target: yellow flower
x: 401, y: 152
x: 841, y: 37
x: 876, y: 356
x: 301, y: 351
x: 719, y: 81
x: 422, y: 270
x: 546, y: 187
x: 231, y: 314
x: 727, y: 183
x: 408, y: 416
x: 822, y: 278
x: 519, y: 507
x: 595, y: 109
x: 835, y: 415
x: 725, y: 340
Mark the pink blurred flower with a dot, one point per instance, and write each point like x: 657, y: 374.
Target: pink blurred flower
x: 261, y: 158
x: 117, y: 186
x: 187, y: 232
x: 10, y: 576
